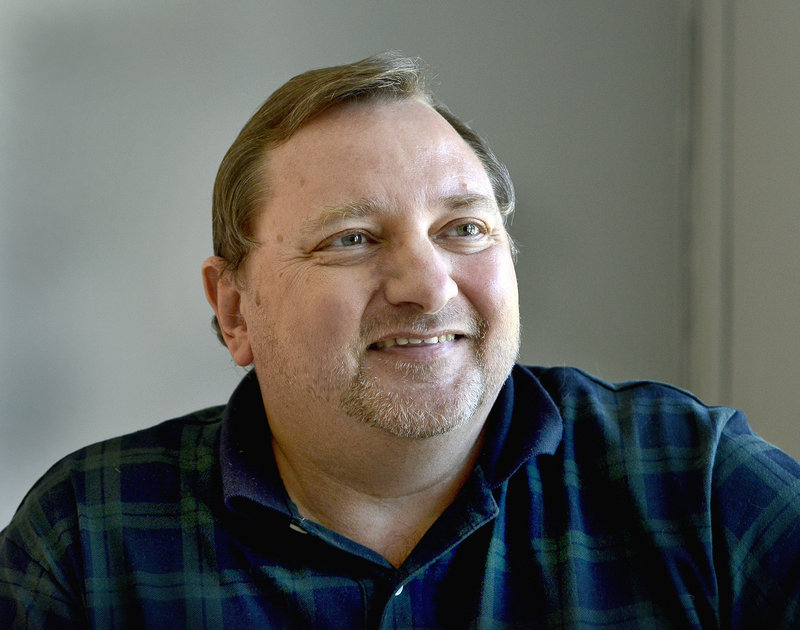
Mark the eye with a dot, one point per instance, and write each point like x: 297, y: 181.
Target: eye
x: 467, y: 235
x: 348, y: 240
x: 466, y: 229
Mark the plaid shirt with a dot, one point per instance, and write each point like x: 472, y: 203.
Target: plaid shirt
x: 592, y: 506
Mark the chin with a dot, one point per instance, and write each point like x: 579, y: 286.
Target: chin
x: 421, y: 409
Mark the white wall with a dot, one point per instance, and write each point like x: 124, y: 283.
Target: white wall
x: 113, y: 119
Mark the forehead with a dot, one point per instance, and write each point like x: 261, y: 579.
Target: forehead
x: 395, y: 152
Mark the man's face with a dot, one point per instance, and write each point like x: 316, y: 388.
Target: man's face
x: 383, y: 288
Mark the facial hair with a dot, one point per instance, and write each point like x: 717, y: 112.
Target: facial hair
x: 402, y: 412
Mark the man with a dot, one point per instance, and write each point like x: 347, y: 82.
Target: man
x: 385, y: 464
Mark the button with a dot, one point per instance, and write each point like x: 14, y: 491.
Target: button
x: 297, y: 528
x: 398, y: 591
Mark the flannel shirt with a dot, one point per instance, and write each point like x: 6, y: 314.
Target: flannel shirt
x: 591, y: 506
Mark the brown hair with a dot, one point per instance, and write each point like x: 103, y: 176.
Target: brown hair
x: 241, y: 186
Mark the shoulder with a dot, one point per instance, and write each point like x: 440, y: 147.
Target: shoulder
x: 168, y: 442
x: 642, y: 414
x: 656, y: 436
x: 130, y: 464
x: 82, y: 506
x: 575, y: 388
x: 653, y: 463
x: 657, y: 433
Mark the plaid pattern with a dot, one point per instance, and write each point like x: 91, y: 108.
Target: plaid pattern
x: 592, y: 506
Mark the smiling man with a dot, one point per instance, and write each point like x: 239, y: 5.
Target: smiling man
x: 378, y: 307
x: 385, y: 464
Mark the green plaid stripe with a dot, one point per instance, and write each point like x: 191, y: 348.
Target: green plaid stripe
x: 652, y: 511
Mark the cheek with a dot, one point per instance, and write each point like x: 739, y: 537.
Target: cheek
x: 333, y: 307
x: 309, y: 304
x: 490, y: 283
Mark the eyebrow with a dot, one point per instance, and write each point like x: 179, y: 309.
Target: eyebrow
x: 370, y: 207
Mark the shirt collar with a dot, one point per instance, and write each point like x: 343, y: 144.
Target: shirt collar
x: 524, y: 423
x: 250, y: 476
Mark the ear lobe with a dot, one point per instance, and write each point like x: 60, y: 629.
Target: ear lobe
x: 225, y: 297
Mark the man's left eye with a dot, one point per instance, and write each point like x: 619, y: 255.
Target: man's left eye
x: 349, y: 240
x: 466, y: 229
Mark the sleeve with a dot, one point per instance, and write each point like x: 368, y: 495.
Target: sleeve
x: 756, y: 530
x: 39, y: 569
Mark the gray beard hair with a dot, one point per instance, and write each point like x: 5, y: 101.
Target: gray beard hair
x: 409, y: 417
x: 405, y: 415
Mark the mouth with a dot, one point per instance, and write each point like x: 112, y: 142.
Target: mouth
x: 413, y: 341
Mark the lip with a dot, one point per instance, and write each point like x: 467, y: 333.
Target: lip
x: 406, y: 339
x: 420, y: 353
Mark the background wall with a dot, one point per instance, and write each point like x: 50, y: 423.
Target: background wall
x: 113, y: 120
x: 745, y: 329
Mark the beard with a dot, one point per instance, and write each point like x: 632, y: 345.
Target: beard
x: 406, y: 399
x: 414, y: 409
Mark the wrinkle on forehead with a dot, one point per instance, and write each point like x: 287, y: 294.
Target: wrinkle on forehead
x: 358, y: 158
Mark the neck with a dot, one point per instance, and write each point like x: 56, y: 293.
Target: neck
x: 377, y: 489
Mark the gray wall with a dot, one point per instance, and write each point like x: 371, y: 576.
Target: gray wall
x: 113, y: 119
x: 745, y: 341
x: 765, y: 220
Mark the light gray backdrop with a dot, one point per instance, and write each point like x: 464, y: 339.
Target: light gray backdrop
x: 113, y: 120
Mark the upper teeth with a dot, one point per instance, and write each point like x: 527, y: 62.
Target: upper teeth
x: 402, y: 341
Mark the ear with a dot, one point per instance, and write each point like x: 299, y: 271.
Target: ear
x: 225, y: 297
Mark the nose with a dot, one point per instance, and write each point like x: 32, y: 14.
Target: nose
x: 419, y: 274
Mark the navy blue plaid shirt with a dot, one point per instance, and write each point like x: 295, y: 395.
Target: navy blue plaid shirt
x: 592, y: 506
